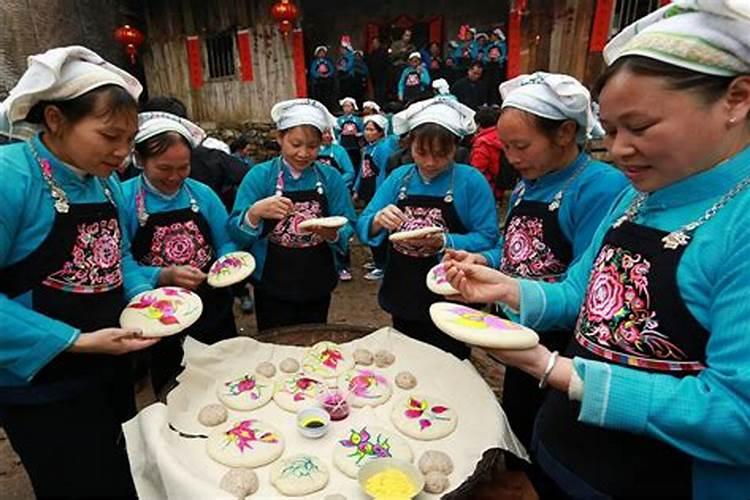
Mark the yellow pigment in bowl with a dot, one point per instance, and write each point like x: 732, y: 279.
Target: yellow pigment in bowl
x: 390, y: 483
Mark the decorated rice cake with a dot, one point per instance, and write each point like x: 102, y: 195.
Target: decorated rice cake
x: 366, y: 387
x: 245, y: 392
x: 326, y: 360
x: 366, y: 443
x: 333, y: 222
x: 230, y: 269
x: 162, y: 312
x: 297, y: 392
x: 424, y: 418
x: 245, y: 443
x: 299, y: 475
x: 481, y: 329
x: 415, y: 234
x: 437, y: 282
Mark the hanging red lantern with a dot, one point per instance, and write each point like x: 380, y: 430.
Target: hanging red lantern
x: 285, y: 13
x: 131, y: 38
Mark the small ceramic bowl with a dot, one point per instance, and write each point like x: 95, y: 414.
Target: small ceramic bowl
x: 382, y: 464
x: 313, y: 422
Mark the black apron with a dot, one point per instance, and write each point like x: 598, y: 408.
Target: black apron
x: 299, y: 265
x: 330, y: 160
x: 348, y: 135
x: 412, y: 86
x: 368, y: 175
x: 183, y: 237
x: 635, y: 277
x: 75, y: 276
x: 404, y: 291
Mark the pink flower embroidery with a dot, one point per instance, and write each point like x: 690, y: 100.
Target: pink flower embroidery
x: 180, y: 243
x: 418, y: 218
x: 606, y: 297
x: 287, y: 234
x: 525, y: 253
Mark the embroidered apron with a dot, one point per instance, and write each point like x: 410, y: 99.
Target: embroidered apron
x: 299, y: 265
x: 74, y: 276
x: 404, y: 292
x: 412, y: 86
x: 368, y: 175
x: 348, y: 135
x: 632, y: 315
x: 182, y: 237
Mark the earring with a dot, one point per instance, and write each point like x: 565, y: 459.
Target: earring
x: 732, y: 120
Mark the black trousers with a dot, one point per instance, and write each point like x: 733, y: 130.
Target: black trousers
x: 272, y: 312
x: 380, y: 254
x: 427, y: 332
x: 73, y: 448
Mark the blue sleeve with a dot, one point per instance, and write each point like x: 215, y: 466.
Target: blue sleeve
x: 314, y: 69
x: 129, y: 221
x: 425, y: 77
x: 546, y: 306
x: 592, y: 200
x: 402, y: 84
x: 135, y: 280
x: 360, y: 125
x: 478, y: 214
x: 216, y: 215
x: 255, y: 186
x: 380, y: 159
x: 339, y: 203
x: 30, y: 339
x: 384, y: 196
x: 345, y: 162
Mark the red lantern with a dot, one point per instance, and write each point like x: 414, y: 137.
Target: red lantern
x: 131, y: 38
x: 285, y: 13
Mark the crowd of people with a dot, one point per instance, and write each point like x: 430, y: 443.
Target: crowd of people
x: 634, y: 275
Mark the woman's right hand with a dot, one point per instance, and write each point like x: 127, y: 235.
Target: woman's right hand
x: 465, y: 257
x: 390, y: 217
x: 114, y: 341
x: 273, y: 208
x: 482, y: 284
x: 184, y: 276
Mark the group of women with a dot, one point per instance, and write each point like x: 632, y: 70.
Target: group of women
x: 640, y: 285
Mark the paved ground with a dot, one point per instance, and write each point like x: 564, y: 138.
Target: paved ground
x: 354, y: 303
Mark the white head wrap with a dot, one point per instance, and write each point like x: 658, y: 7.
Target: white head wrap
x: 481, y: 35
x: 350, y: 100
x: 319, y: 48
x: 214, y: 143
x: 551, y: 95
x: 441, y: 85
x: 379, y: 120
x: 154, y: 123
x: 296, y: 112
x: 371, y: 105
x: 442, y: 110
x: 707, y: 36
x: 499, y: 33
x: 415, y: 54
x: 61, y: 74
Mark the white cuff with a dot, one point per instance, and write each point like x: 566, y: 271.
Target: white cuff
x: 575, y: 386
x: 248, y: 222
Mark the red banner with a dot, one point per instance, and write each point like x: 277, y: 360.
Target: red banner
x: 246, y: 55
x: 662, y: 3
x: 436, y: 30
x: 514, y: 44
x: 300, y: 77
x: 195, y: 61
x: 601, y: 25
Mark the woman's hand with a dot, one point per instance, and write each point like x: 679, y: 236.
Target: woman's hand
x: 482, y: 284
x: 432, y: 242
x: 273, y: 208
x: 534, y: 361
x: 389, y: 218
x: 115, y: 341
x: 329, y: 234
x: 465, y: 257
x: 185, y: 276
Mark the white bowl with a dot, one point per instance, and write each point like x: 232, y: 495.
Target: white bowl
x: 376, y: 466
x: 316, y: 413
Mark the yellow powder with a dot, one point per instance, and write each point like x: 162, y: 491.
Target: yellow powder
x: 389, y: 484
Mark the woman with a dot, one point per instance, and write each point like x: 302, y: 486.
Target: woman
x: 66, y: 274
x: 334, y: 155
x: 349, y: 130
x: 432, y: 191
x: 323, y: 77
x: 295, y: 271
x: 415, y: 80
x: 652, y: 396
x: 554, y: 210
x: 177, y: 227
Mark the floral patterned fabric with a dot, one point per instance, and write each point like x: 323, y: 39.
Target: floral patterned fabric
x: 412, y: 80
x: 179, y: 243
x: 617, y: 314
x: 287, y: 233
x: 525, y: 254
x: 417, y: 218
x: 349, y: 128
x: 366, y: 171
x: 94, y: 263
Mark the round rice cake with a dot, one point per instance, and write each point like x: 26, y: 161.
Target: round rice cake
x: 299, y: 475
x: 366, y: 443
x: 297, y: 392
x: 366, y: 387
x: 245, y: 392
x: 326, y: 360
x: 162, y: 311
x: 230, y: 269
x: 424, y: 418
x: 245, y: 443
x: 332, y: 222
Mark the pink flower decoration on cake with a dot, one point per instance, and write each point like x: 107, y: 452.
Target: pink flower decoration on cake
x: 162, y: 310
x: 421, y: 410
x: 243, y: 434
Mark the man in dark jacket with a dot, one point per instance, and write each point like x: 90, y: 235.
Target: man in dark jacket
x: 377, y: 63
x: 472, y: 90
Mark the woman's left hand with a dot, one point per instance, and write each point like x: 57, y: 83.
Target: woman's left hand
x: 327, y: 233
x: 433, y: 242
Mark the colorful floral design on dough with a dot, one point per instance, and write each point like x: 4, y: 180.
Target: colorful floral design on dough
x: 426, y: 414
x: 438, y: 274
x: 525, y: 254
x: 471, y: 318
x: 244, y: 384
x: 243, y: 434
x: 327, y: 360
x: 367, y: 387
x: 302, y: 467
x: 229, y: 264
x: 364, y: 447
x: 162, y: 310
x: 617, y: 315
